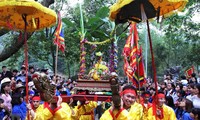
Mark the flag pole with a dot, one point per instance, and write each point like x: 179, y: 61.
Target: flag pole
x: 56, y: 61
x: 82, y: 53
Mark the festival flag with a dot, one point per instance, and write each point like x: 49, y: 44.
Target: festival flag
x: 133, y: 68
x: 127, y: 47
x: 128, y: 71
x: 189, y: 72
x: 134, y: 46
x: 59, y: 35
x: 139, y: 77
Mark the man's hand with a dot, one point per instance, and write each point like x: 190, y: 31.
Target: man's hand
x: 59, y: 101
x: 28, y: 106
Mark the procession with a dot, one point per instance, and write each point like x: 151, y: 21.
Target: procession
x: 99, y: 60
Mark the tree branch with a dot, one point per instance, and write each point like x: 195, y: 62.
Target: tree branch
x: 13, y: 48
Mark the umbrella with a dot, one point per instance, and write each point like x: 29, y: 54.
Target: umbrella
x: 27, y: 16
x: 139, y: 10
x: 13, y: 14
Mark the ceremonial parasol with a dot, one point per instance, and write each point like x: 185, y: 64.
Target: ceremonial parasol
x: 13, y: 14
x: 27, y: 16
x: 142, y: 10
x: 138, y: 10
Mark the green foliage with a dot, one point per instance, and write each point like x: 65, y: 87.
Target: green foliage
x: 177, y: 45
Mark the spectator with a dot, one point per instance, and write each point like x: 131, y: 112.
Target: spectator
x: 22, y: 75
x: 5, y: 73
x: 198, y: 79
x: 3, y: 115
x: 66, y: 88
x: 5, y: 95
x: 19, y: 88
x: 196, y: 97
x: 15, y: 73
x: 184, y: 81
x: 195, y: 114
x: 191, y: 91
x: 170, y: 102
x: 58, y: 90
x: 183, y: 109
x: 19, y: 107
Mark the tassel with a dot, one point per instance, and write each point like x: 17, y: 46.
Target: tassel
x: 33, y: 20
x: 9, y: 25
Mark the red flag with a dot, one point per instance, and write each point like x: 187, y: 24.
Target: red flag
x: 130, y: 53
x: 59, y: 35
x: 139, y: 76
x: 189, y: 72
x: 127, y: 47
x: 127, y: 69
x: 134, y: 51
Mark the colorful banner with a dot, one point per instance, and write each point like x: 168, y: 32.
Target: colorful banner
x: 133, y: 63
x: 59, y: 35
x: 189, y: 72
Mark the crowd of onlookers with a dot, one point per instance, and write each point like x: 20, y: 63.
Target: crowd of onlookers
x: 13, y: 90
x: 183, y: 95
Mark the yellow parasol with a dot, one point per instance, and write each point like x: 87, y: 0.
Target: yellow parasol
x: 142, y: 10
x: 139, y: 10
x: 14, y: 12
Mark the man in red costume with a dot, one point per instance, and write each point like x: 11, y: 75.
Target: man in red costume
x: 146, y: 104
x: 129, y: 110
x: 160, y: 111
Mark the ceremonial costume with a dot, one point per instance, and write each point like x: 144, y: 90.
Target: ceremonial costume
x: 85, y: 111
x: 134, y: 112
x: 145, y: 110
x: 160, y: 111
x: 62, y: 112
x: 145, y: 104
x: 168, y: 114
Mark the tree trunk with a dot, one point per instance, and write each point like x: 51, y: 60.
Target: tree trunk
x: 13, y: 48
x: 69, y: 73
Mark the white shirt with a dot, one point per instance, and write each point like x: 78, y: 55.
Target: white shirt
x: 196, y: 101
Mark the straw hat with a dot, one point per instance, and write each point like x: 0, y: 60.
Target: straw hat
x: 5, y: 80
x: 19, y: 86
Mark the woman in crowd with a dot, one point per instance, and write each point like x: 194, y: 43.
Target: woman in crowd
x: 196, y: 98
x: 195, y: 114
x: 183, y: 109
x: 5, y: 95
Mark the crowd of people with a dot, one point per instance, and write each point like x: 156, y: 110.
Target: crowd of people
x: 175, y: 100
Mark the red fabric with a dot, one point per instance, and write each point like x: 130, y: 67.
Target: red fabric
x: 155, y: 108
x: 46, y: 105
x: 189, y: 72
x: 127, y: 49
x: 160, y: 95
x: 116, y: 116
x: 36, y: 98
x: 58, y: 108
x: 146, y: 95
x: 111, y: 113
x: 139, y: 76
x: 128, y: 91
